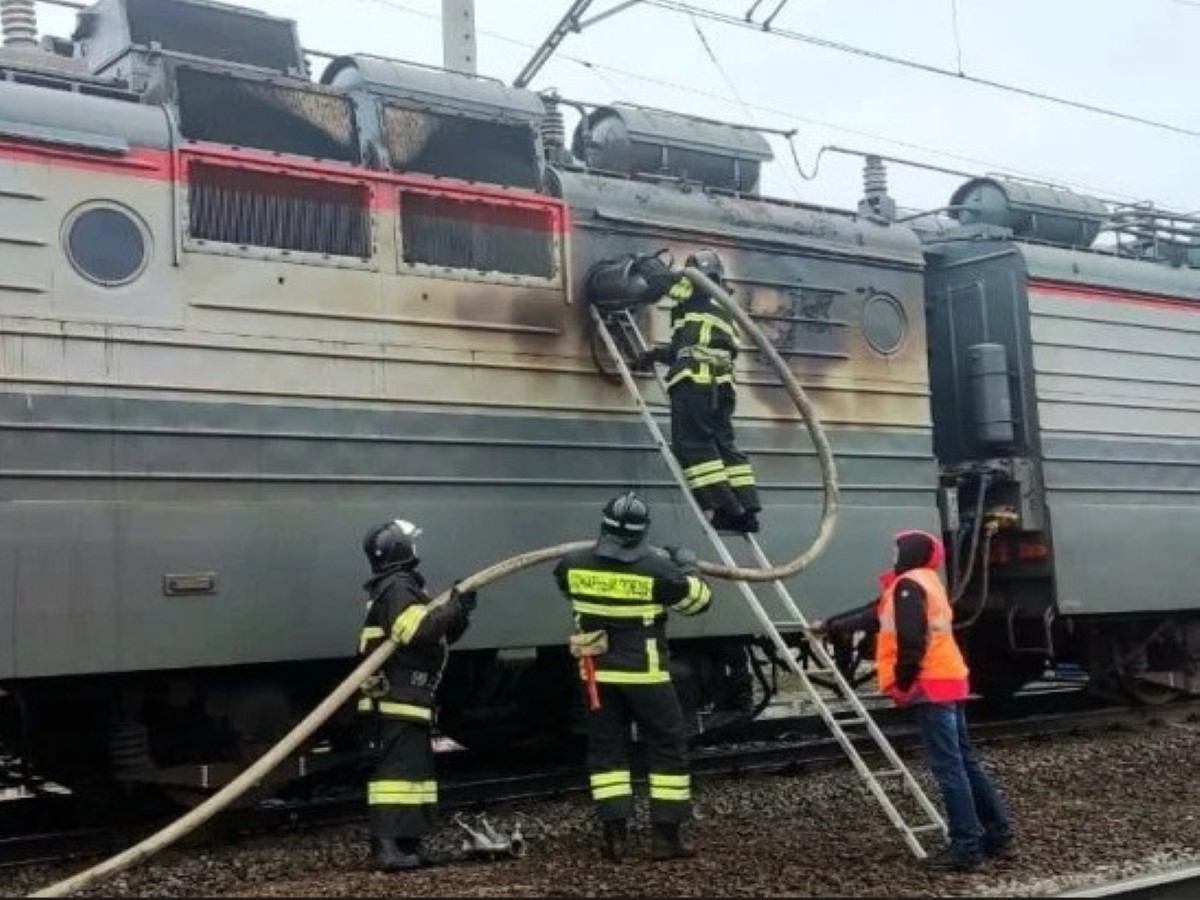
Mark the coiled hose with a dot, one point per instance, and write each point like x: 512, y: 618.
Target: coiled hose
x: 343, y: 692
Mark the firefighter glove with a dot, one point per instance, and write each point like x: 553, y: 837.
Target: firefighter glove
x: 683, y: 558
x: 656, y: 273
x: 643, y: 362
x: 467, y: 600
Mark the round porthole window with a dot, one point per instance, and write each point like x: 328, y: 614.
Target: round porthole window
x: 106, y: 245
x: 885, y: 326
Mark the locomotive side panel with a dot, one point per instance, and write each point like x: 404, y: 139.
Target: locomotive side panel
x: 1116, y: 351
x: 841, y: 300
x: 85, y: 246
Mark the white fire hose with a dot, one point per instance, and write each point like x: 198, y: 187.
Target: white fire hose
x: 293, y: 740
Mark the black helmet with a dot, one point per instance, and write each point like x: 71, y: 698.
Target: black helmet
x: 707, y: 262
x: 392, y: 543
x: 623, y: 527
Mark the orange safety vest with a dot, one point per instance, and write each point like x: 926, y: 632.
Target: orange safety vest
x: 943, y: 675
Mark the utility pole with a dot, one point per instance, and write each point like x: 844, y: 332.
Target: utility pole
x: 458, y: 36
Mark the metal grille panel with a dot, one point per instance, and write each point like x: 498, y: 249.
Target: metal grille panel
x: 259, y: 209
x: 477, y: 234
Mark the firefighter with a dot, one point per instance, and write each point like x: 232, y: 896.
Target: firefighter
x: 620, y: 590
x: 700, y: 357
x: 919, y: 664
x: 402, y: 792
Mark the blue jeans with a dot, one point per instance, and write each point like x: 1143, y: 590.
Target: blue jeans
x: 971, y: 801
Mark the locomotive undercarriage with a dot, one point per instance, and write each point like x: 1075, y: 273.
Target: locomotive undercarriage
x: 181, y: 735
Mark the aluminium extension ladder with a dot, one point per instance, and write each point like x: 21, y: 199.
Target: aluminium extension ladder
x: 879, y: 781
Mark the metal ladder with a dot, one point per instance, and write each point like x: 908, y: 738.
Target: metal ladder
x: 896, y: 775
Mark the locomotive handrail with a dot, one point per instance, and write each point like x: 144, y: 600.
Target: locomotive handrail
x: 343, y: 692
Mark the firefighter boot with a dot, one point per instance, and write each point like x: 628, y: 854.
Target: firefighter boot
x: 616, y: 833
x: 728, y: 518
x: 386, y: 856
x: 666, y: 842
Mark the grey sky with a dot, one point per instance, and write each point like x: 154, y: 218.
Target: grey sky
x: 1136, y: 56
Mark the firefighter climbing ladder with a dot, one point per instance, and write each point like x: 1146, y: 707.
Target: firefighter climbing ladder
x: 878, y: 781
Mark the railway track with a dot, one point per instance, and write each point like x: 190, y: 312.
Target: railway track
x: 781, y: 745
x: 1181, y: 883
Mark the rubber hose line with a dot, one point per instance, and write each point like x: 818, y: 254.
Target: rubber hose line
x: 292, y: 741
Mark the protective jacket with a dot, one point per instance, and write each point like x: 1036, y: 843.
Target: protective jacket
x: 627, y: 602
x: 704, y: 339
x: 397, y: 605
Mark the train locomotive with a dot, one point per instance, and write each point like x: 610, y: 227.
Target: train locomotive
x: 244, y: 314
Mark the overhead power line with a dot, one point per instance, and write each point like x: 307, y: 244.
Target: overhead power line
x: 599, y: 68
x: 689, y: 9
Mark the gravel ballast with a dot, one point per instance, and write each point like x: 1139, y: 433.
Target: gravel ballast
x: 1106, y: 805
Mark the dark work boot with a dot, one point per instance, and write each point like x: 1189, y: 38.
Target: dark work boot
x: 616, y: 833
x: 948, y: 859
x: 386, y: 856
x: 749, y: 523
x: 666, y: 842
x: 727, y: 520
x: 999, y: 848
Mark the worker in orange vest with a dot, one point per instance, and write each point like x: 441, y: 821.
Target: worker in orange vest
x: 919, y: 663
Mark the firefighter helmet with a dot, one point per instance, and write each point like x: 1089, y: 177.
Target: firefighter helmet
x: 709, y: 263
x: 623, y: 527
x: 392, y: 543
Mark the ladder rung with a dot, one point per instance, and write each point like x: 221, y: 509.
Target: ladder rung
x: 932, y: 826
x: 792, y: 624
x: 888, y: 773
x: 855, y: 720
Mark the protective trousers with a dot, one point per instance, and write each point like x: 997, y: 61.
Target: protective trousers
x: 655, y: 709
x: 402, y: 792
x: 718, y: 473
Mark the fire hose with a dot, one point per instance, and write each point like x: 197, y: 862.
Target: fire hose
x: 293, y: 740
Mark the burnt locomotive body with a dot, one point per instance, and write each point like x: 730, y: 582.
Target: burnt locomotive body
x: 243, y: 316
x: 1066, y: 405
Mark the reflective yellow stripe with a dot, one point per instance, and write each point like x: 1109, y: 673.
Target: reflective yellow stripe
x: 713, y: 465
x: 707, y: 322
x: 606, y: 785
x: 366, y: 705
x: 740, y: 476
x: 682, y: 289
x: 665, y: 793
x: 407, y: 623
x: 705, y: 480
x: 697, y: 598
x: 616, y: 610
x: 652, y: 656
x: 401, y: 793
x: 610, y: 585
x: 616, y: 776
x: 670, y: 781
x: 367, y: 634
x: 608, y: 676
x: 388, y: 708
x: 607, y: 793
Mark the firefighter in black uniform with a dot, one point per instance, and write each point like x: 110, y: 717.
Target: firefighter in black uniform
x: 704, y: 345
x: 402, y: 792
x: 620, y: 591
